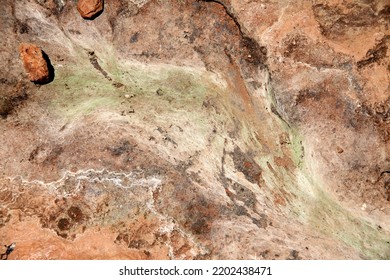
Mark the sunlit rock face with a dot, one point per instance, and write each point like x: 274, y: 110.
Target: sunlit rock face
x: 197, y: 130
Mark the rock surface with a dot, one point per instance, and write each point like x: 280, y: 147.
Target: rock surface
x: 34, y: 63
x: 198, y: 130
x: 90, y: 8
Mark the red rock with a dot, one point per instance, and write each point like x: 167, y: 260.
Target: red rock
x: 34, y: 62
x: 90, y: 8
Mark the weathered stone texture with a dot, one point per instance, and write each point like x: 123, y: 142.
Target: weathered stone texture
x: 34, y: 62
x: 90, y: 8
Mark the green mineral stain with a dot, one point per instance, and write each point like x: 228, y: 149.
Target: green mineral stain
x: 297, y: 149
x: 312, y: 205
x: 329, y: 217
x: 81, y: 89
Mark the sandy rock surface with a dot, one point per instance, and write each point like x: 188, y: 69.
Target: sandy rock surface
x: 197, y: 130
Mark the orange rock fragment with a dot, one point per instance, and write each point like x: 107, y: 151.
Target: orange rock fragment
x: 90, y: 8
x: 34, y: 63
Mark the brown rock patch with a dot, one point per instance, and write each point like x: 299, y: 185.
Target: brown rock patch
x: 34, y: 63
x: 89, y: 9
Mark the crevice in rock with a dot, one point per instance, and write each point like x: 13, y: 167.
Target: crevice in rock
x: 256, y: 56
x: 257, y: 53
x: 229, y: 13
x: 94, y: 61
x: 223, y: 162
